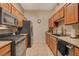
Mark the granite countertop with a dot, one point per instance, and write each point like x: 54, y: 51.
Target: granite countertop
x: 24, y: 34
x: 3, y: 43
x: 73, y: 41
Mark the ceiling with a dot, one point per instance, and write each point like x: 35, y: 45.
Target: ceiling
x: 38, y: 6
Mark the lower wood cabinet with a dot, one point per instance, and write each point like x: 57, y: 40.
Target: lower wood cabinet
x: 76, y: 51
x: 5, y: 50
x: 47, y: 39
x: 52, y: 43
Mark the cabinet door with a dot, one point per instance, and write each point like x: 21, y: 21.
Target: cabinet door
x: 6, y: 6
x: 76, y: 51
x: 71, y: 13
x: 61, y: 13
x: 0, y: 4
x: 53, y: 45
x: 14, y: 11
x: 56, y: 16
x: 4, y: 50
x: 10, y: 7
x: 46, y: 38
x: 49, y: 23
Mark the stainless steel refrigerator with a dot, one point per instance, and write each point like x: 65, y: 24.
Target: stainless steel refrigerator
x: 28, y: 28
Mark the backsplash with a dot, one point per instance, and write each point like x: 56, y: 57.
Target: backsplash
x: 60, y: 26
x: 76, y: 27
x: 69, y: 28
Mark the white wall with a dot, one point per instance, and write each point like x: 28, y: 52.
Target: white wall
x: 38, y: 29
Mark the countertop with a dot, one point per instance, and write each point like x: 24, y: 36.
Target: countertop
x: 24, y: 34
x: 3, y: 43
x: 73, y: 41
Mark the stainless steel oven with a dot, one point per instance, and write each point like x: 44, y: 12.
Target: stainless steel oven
x: 7, y: 18
x: 20, y: 46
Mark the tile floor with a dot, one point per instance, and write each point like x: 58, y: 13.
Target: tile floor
x: 39, y: 49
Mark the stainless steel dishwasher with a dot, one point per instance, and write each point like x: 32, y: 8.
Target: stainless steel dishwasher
x: 64, y: 48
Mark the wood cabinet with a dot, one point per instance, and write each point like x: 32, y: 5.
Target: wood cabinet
x: 71, y: 13
x: 6, y: 6
x: 76, y: 51
x: 53, y: 45
x: 49, y: 23
x: 10, y: 8
x: 47, y: 39
x: 5, y: 50
x: 53, y: 21
x: 19, y: 16
x: 56, y: 16
x: 14, y: 11
x: 59, y: 14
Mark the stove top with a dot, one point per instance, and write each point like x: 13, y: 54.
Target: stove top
x: 15, y: 38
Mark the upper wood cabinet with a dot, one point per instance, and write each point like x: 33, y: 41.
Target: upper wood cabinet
x: 10, y: 8
x: 20, y: 20
x: 55, y: 17
x: 6, y: 6
x: 15, y: 11
x: 49, y: 23
x: 59, y: 14
x: 19, y: 16
x: 52, y: 23
x: 71, y: 13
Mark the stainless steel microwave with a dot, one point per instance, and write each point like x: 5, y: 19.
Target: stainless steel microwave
x: 6, y: 18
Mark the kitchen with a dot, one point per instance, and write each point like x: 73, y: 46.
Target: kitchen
x: 41, y: 29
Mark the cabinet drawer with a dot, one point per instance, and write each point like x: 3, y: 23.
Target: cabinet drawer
x: 5, y: 49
